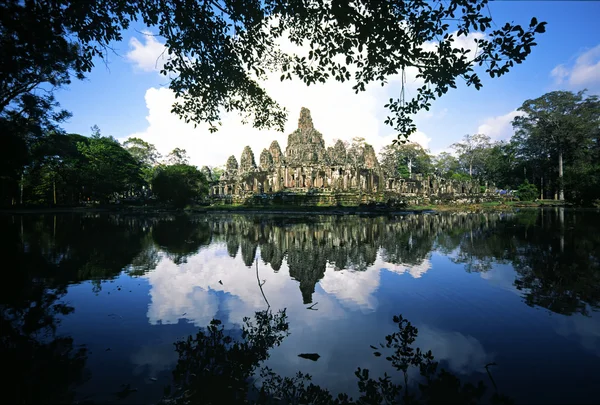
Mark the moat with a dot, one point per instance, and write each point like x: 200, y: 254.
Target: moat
x: 92, y: 303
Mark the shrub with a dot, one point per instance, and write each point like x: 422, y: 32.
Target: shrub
x: 527, y: 191
x: 460, y: 176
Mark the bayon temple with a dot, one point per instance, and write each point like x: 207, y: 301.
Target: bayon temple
x: 308, y: 167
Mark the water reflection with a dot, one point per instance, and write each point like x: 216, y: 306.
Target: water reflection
x: 40, y: 365
x: 461, y: 279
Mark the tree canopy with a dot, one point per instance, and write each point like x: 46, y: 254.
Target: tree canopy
x: 179, y: 184
x: 403, y: 159
x: 560, y: 126
x: 218, y: 51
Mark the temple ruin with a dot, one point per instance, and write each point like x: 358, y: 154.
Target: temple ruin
x: 308, y: 167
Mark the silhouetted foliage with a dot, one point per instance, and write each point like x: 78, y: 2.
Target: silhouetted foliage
x: 215, y: 69
x: 215, y: 368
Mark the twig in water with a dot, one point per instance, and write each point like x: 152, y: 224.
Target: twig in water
x: 311, y: 307
x: 260, y: 286
x: 490, y: 374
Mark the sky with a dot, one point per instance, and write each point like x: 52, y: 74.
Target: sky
x: 127, y: 97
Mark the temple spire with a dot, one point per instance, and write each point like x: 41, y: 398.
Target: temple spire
x: 305, y: 122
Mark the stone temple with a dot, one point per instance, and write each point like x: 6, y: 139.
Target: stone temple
x: 334, y: 174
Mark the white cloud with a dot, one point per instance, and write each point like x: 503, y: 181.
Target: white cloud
x: 464, y: 353
x: 584, y: 73
x: 431, y: 114
x: 499, y: 128
x: 338, y: 113
x: 586, y: 329
x: 148, y: 56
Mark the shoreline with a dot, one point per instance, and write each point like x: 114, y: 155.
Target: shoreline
x: 291, y: 210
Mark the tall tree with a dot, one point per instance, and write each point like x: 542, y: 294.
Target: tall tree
x: 472, y: 149
x: 499, y: 164
x: 110, y: 170
x: 57, y: 171
x: 178, y: 156
x: 219, y: 50
x: 145, y: 153
x: 411, y: 156
x: 356, y: 151
x: 556, y: 126
x: 445, y: 165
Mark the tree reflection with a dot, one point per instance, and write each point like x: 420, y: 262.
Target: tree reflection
x: 556, y: 256
x: 216, y: 368
x: 554, y: 252
x: 40, y: 366
x: 181, y: 236
x: 74, y: 248
x: 559, y: 263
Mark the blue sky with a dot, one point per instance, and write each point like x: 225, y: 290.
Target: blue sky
x: 128, y: 97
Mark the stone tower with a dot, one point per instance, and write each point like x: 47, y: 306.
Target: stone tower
x: 305, y: 145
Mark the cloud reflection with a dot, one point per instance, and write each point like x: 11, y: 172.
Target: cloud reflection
x: 212, y: 283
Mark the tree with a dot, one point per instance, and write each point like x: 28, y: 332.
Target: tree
x: 556, y: 126
x: 178, y: 156
x: 110, y: 171
x: 216, y: 172
x: 216, y: 68
x: 30, y: 118
x: 356, y: 151
x: 178, y: 184
x: 411, y: 157
x: 145, y: 153
x: 57, y: 170
x: 445, y: 165
x: 471, y: 150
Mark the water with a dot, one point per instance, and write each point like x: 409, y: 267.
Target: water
x: 91, y: 303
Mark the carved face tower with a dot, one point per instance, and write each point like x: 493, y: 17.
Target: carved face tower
x: 305, y: 145
x: 305, y: 123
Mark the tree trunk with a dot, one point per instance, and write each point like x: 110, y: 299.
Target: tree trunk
x: 561, y: 189
x: 409, y: 166
x: 21, y: 197
x: 470, y: 169
x: 54, y: 191
x: 561, y: 217
x: 542, y: 189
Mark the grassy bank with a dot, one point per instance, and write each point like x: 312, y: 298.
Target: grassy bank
x: 289, y: 209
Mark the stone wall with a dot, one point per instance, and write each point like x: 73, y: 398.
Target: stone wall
x: 311, y: 174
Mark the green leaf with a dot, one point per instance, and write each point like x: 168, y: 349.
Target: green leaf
x: 534, y: 22
x: 541, y: 28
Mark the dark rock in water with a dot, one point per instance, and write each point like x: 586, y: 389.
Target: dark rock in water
x: 309, y: 356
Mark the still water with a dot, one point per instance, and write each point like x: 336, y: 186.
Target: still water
x: 93, y: 303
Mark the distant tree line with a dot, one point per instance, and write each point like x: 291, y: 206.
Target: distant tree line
x: 70, y: 169
x: 554, y: 153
